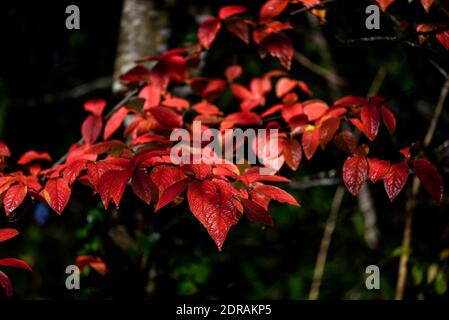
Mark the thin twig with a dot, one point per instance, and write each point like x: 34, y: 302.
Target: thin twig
x: 322, y: 72
x: 325, y: 243
x: 314, y: 6
x: 411, y: 201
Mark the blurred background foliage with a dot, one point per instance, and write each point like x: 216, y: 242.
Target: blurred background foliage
x: 47, y: 72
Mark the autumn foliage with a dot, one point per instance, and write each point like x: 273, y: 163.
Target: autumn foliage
x: 108, y: 159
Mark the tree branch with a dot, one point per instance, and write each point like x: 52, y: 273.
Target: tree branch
x: 412, y: 199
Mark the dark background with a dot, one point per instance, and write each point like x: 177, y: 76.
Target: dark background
x: 169, y: 254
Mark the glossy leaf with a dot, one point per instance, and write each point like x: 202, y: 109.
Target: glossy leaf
x: 430, y: 178
x: 355, y: 173
x: 395, y: 179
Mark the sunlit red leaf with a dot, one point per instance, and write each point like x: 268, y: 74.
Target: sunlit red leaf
x: 7, y: 233
x: 167, y: 117
x: 427, y: 4
x: 141, y: 186
x: 208, y: 31
x: 171, y: 193
x: 57, y: 194
x: 216, y: 212
x: 15, y: 263
x: 430, y: 178
x: 292, y: 153
x: 271, y: 9
x: 284, y: 86
x: 328, y: 128
x: 355, y: 173
x: 384, y: 4
x: 95, y: 263
x: 315, y: 109
x: 275, y: 193
x: 228, y: 11
x: 91, y: 128
x: 32, y: 156
x: 370, y: 120
x: 278, y: 45
x: 95, y: 106
x: 114, y: 122
x: 14, y: 197
x: 377, y: 169
x: 395, y: 179
x: 112, y: 185
x: 310, y: 141
x: 233, y: 72
x: 4, y: 150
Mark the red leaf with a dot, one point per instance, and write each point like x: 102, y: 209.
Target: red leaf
x: 73, y: 170
x: 31, y: 156
x: 152, y: 96
x: 427, y: 4
x: 370, y: 120
x: 328, y: 128
x: 355, y: 173
x: 208, y: 31
x: 95, y: 263
x: 284, y: 86
x: 213, y: 89
x: 216, y: 212
x: 95, y: 106
x: 310, y: 142
x: 171, y: 193
x: 14, y: 197
x: 228, y: 11
x: 276, y: 193
x: 278, y: 45
x: 443, y: 38
x: 271, y: 9
x: 112, y: 184
x: 7, y: 233
x: 57, y: 194
x: 15, y: 263
x: 233, y: 72
x: 377, y: 169
x: 136, y: 74
x: 198, y: 171
x: 4, y: 150
x: 315, y: 109
x: 244, y: 118
x: 430, y: 178
x: 167, y: 117
x: 389, y: 119
x: 256, y: 213
x: 292, y: 153
x: 206, y: 108
x: 164, y: 176
x: 239, y: 28
x: 91, y: 128
x: 114, y: 122
x: 384, y: 4
x: 346, y: 141
x: 177, y: 103
x: 142, y: 186
x: 5, y: 284
x: 395, y: 179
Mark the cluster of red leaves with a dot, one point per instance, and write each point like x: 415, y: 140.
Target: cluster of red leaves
x: 440, y: 31
x: 217, y: 195
x: 5, y: 283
